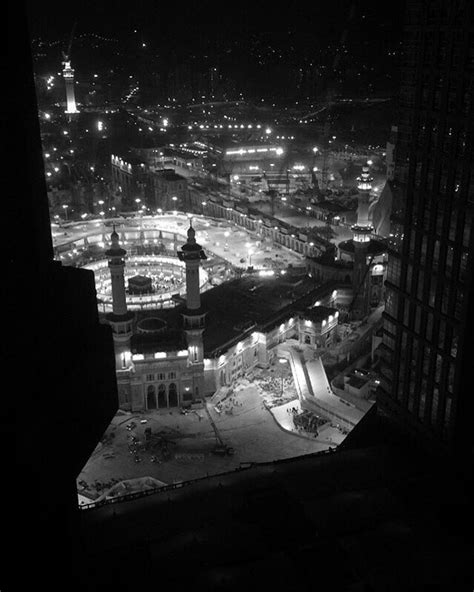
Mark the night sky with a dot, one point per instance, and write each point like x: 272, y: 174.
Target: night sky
x: 164, y: 21
x: 258, y: 48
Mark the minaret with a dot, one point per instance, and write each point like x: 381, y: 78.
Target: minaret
x: 193, y: 316
x: 120, y: 319
x: 68, y: 74
x: 362, y: 231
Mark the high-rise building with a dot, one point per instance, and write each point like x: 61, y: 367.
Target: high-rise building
x: 72, y: 362
x: 429, y: 278
x: 390, y: 153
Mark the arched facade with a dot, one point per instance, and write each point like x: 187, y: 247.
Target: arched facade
x: 151, y: 397
x: 172, y: 395
x: 162, y: 397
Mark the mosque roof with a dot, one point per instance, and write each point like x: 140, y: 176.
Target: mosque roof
x: 151, y: 325
x: 247, y: 304
x: 171, y: 339
x: 318, y: 313
x: 375, y: 247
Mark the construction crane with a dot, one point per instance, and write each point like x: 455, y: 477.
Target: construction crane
x: 272, y: 194
x: 329, y: 96
x: 325, y: 150
x: 67, y: 53
x: 221, y: 447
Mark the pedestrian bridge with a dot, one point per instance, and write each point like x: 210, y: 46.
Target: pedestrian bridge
x: 314, y: 390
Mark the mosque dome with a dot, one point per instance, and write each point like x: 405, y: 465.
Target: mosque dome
x: 151, y: 325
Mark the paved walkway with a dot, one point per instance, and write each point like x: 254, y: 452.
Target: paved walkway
x: 327, y: 434
x: 313, y: 387
x: 284, y: 416
x: 251, y: 430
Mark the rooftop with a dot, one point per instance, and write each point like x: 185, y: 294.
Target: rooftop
x: 319, y: 313
x: 327, y: 258
x: 151, y: 325
x: 331, y: 206
x: 181, y: 153
x: 131, y: 159
x: 169, y: 175
x: 357, y: 382
x: 237, y: 306
x: 349, y: 520
x: 168, y: 340
x: 374, y: 247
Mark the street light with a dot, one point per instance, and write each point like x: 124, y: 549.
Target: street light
x: 65, y: 207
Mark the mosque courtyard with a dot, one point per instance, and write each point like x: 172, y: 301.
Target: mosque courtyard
x: 183, y: 446
x: 238, y: 246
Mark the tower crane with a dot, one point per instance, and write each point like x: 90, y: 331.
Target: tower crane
x: 330, y: 93
x: 272, y: 194
x: 67, y: 53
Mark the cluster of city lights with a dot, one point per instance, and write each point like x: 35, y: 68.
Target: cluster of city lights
x: 240, y: 151
x: 229, y: 126
x: 50, y: 82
